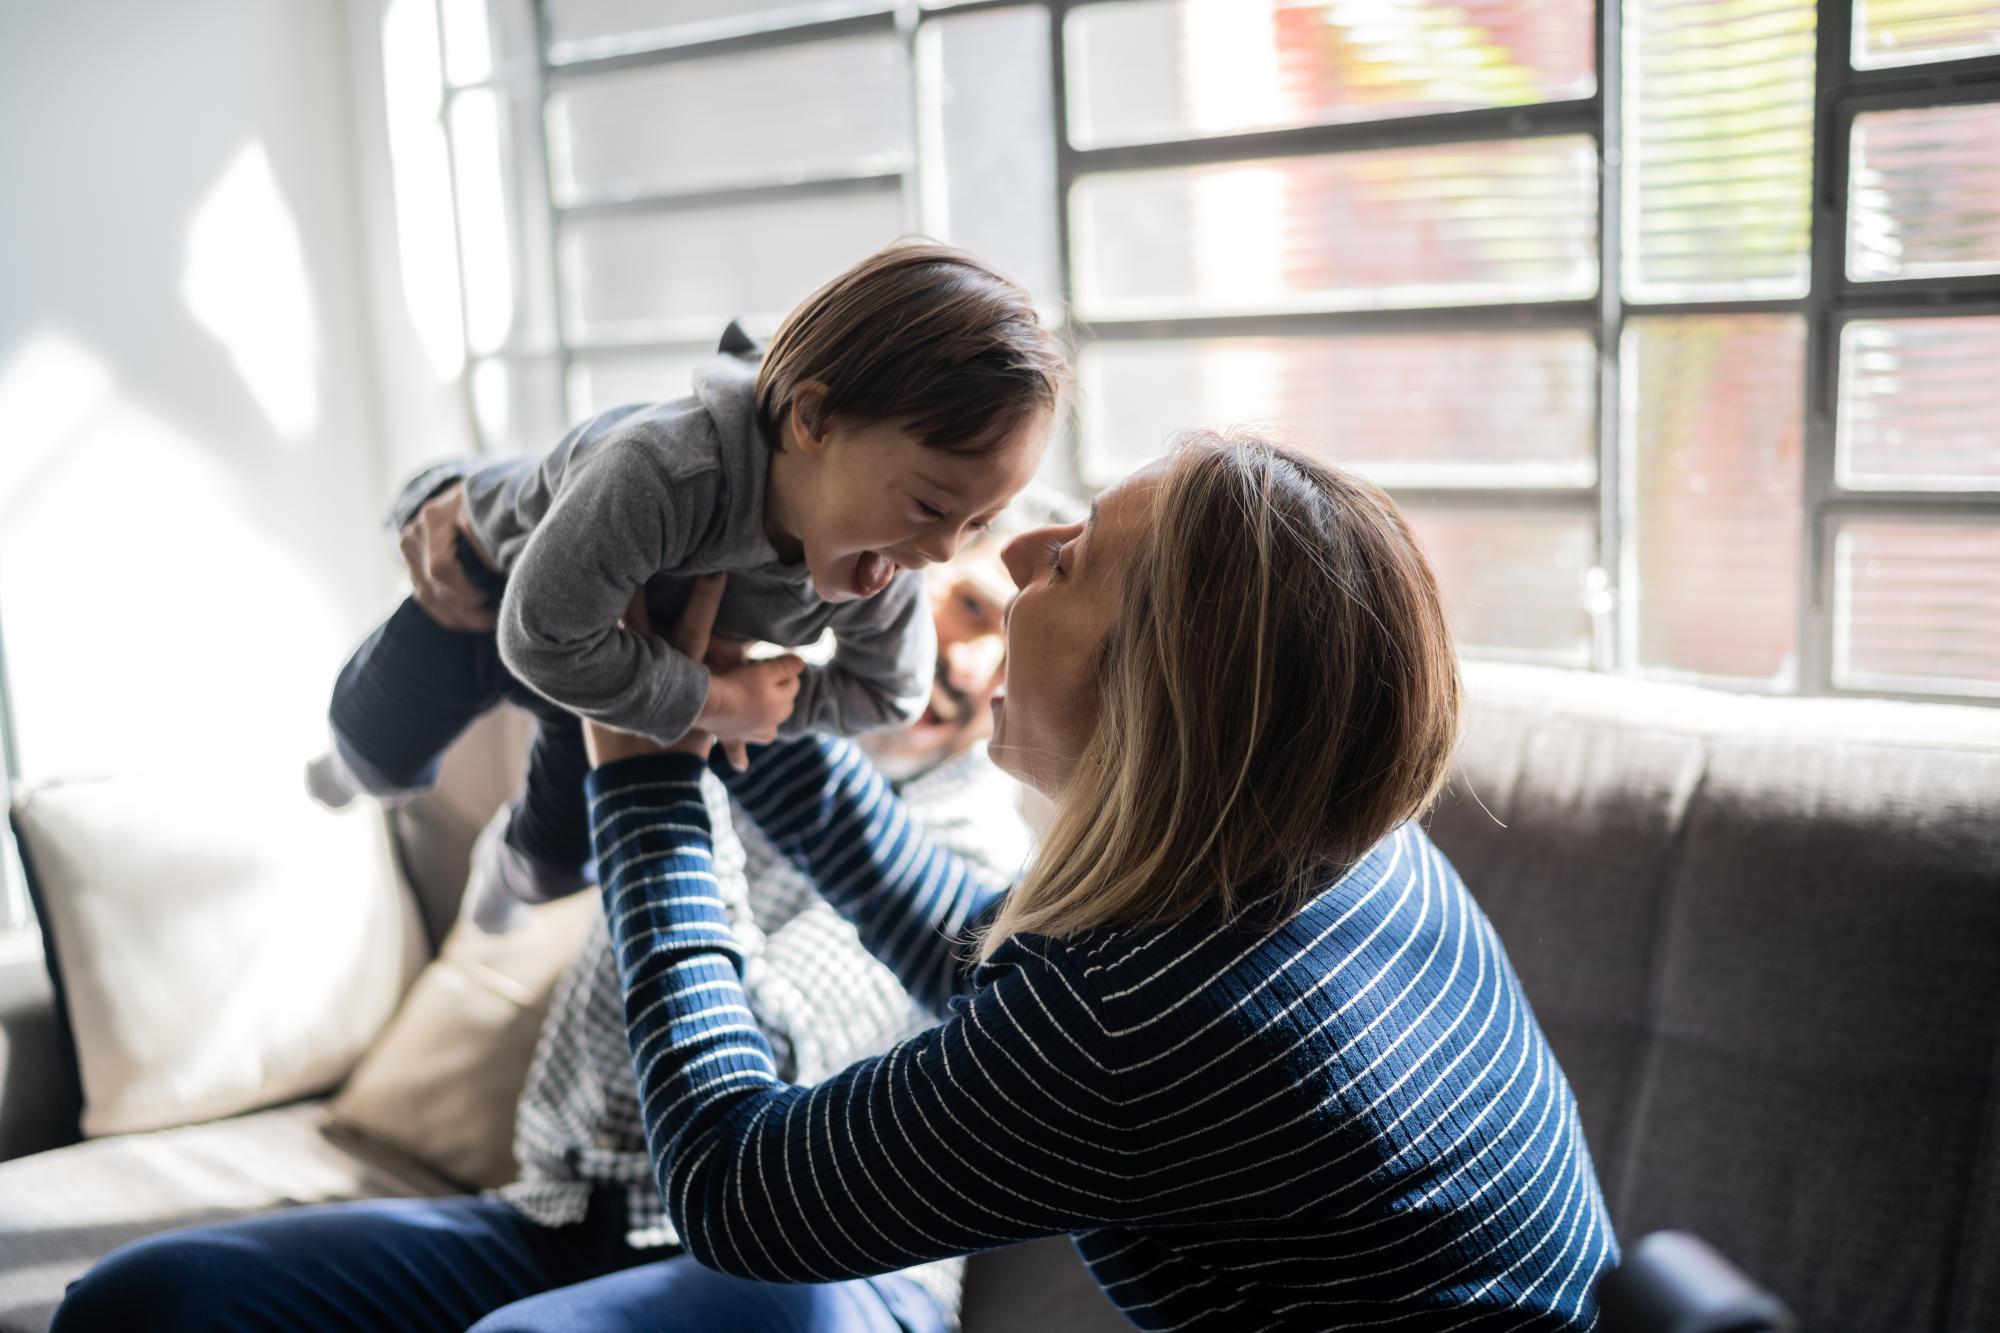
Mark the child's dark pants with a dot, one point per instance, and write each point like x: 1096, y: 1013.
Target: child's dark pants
x: 413, y: 686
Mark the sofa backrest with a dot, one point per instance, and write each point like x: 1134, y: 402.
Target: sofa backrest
x: 1763, y: 936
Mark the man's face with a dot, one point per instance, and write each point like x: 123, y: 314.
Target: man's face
x: 968, y: 600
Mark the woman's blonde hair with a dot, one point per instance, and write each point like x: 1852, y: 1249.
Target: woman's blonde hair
x: 1278, y: 692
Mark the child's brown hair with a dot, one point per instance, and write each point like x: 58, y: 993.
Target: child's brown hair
x: 923, y: 335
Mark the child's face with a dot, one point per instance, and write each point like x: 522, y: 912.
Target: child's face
x: 881, y: 500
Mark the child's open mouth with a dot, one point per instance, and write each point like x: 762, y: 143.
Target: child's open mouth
x: 872, y: 572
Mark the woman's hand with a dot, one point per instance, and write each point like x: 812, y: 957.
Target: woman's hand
x: 429, y: 544
x: 605, y: 744
x: 694, y: 638
x: 748, y: 701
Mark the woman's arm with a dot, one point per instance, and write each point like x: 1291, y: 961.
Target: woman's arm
x: 992, y: 1128
x: 823, y: 803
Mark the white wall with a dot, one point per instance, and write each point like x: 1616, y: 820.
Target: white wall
x: 194, y: 446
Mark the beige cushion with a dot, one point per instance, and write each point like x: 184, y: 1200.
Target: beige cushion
x: 219, y: 950
x: 441, y: 1083
x: 61, y: 1211
x: 435, y: 832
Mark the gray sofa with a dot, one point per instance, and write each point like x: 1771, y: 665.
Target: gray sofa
x: 1762, y: 934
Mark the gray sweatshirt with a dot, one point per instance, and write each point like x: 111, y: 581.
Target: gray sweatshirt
x: 660, y: 493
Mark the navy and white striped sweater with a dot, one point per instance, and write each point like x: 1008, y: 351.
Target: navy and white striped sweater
x: 1349, y: 1121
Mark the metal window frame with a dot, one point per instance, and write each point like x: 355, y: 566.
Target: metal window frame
x: 15, y: 912
x: 548, y: 75
x: 1595, y: 116
x: 1612, y: 614
x: 1841, y: 92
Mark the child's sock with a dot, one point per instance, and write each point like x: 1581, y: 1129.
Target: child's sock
x: 331, y: 782
x: 505, y: 881
x: 335, y: 779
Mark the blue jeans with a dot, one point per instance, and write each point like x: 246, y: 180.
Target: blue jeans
x: 451, y: 1265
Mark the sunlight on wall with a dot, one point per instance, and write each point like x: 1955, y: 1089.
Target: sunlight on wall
x: 245, y: 281
x: 493, y: 400
x: 151, y: 626
x: 421, y: 170
x: 471, y: 45
x: 482, y: 219
x: 48, y: 390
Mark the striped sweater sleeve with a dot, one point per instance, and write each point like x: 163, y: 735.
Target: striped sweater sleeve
x: 823, y: 803
x: 985, y: 1130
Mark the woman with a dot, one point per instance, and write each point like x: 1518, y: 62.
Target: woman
x: 1240, y: 1028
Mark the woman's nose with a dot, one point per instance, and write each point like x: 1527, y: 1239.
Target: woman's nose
x: 1019, y: 557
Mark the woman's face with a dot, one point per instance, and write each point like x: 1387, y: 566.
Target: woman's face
x: 1069, y: 580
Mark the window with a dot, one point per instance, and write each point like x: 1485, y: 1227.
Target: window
x: 14, y: 912
x: 1673, y: 324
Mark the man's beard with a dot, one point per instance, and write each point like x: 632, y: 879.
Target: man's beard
x: 902, y: 755
x: 956, y: 704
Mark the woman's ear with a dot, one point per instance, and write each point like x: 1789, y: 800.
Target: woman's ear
x: 807, y: 416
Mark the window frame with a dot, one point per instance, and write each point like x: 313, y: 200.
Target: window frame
x: 1832, y: 300
x: 16, y: 915
x: 1842, y: 93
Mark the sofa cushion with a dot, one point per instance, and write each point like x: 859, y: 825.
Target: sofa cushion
x: 61, y: 1211
x: 441, y: 1083
x: 1037, y: 1287
x: 434, y: 833
x: 1763, y: 936
x: 215, y: 951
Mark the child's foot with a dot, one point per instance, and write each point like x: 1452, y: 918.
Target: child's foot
x: 331, y: 782
x: 505, y: 881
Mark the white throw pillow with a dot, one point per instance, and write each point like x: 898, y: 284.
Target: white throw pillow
x: 218, y: 950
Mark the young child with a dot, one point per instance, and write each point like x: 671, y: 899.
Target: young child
x: 900, y: 407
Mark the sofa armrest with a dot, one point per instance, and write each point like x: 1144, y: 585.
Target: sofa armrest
x: 40, y: 1096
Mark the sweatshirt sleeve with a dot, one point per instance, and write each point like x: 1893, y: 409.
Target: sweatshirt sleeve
x: 825, y: 805
x: 618, y: 521
x: 418, y: 490
x: 1001, y: 1124
x: 507, y: 498
x: 885, y: 649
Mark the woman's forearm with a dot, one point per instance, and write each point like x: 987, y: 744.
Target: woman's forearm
x: 823, y: 803
x: 957, y: 1140
x: 690, y: 1025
